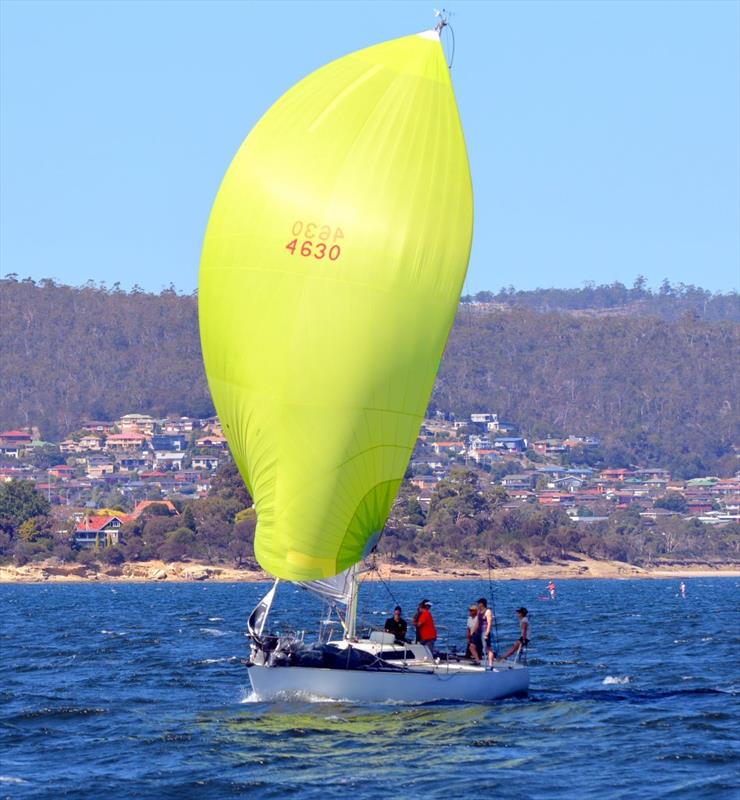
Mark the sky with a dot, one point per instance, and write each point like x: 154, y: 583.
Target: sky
x: 603, y: 136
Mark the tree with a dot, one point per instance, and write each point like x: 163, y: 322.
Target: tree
x: 20, y: 501
x: 673, y: 501
x: 228, y: 484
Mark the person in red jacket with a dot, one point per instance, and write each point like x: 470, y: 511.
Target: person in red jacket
x: 426, y: 632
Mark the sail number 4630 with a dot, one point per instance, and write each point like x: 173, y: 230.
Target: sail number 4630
x: 312, y: 240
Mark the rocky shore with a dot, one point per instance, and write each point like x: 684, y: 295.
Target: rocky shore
x: 152, y: 571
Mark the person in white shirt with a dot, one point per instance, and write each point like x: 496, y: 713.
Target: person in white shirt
x: 523, y: 639
x: 475, y: 644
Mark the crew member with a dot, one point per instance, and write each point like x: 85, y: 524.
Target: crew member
x: 485, y: 622
x: 426, y: 632
x: 523, y: 639
x: 396, y: 625
x: 475, y: 644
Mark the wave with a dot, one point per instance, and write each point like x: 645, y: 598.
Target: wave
x: 610, y: 680
x: 626, y: 695
x: 11, y: 779
x: 55, y: 713
x: 215, y: 632
x: 215, y: 619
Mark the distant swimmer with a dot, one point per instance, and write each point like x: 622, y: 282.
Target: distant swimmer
x: 523, y: 640
x: 551, y: 589
x: 683, y: 589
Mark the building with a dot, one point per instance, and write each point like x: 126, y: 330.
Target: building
x: 91, y: 441
x: 450, y: 448
x: 511, y: 444
x: 99, y: 531
x: 175, y: 425
x: 126, y: 441
x: 168, y: 460
x: 549, y: 447
x: 170, y: 442
x: 14, y: 443
x: 137, y: 423
x: 488, y: 419
x: 205, y: 462
x: 142, y: 506
x: 522, y: 480
x: 424, y: 481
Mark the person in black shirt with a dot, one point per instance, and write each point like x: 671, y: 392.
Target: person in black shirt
x: 396, y: 625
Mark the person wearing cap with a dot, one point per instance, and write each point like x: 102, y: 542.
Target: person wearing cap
x: 396, y: 625
x: 523, y: 639
x: 426, y: 632
x: 475, y: 645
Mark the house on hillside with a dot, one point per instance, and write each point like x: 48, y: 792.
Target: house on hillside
x: 142, y: 506
x: 488, y: 419
x: 62, y: 472
x: 448, y: 448
x: 484, y: 455
x: 209, y: 463
x: 170, y: 461
x: 179, y: 425
x: 126, y: 441
x: 99, y: 531
x: 424, y: 481
x: 170, y: 442
x: 510, y: 444
x: 98, y: 426
x: 91, y: 441
x: 137, y: 423
x: 14, y: 443
x: 521, y: 480
x: 98, y: 467
x: 549, y: 447
x: 212, y: 440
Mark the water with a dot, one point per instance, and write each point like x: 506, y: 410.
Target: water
x: 137, y: 691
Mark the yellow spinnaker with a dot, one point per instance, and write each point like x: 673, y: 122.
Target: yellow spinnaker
x: 331, y: 271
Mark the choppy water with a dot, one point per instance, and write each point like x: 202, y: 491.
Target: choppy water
x: 137, y: 691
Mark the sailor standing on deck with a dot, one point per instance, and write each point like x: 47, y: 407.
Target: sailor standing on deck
x: 485, y: 621
x: 523, y: 640
x: 426, y: 631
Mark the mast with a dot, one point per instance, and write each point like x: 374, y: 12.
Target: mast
x: 350, y: 628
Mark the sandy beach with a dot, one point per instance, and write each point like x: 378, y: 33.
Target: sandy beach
x: 152, y: 571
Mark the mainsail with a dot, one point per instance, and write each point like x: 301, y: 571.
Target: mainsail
x: 331, y: 271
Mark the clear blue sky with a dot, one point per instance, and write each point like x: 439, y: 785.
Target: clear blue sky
x: 603, y: 136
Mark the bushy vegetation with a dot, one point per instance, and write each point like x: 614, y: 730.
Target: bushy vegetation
x: 469, y: 523
x: 669, y: 302
x: 655, y: 392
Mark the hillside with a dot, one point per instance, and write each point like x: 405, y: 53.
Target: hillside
x: 658, y: 387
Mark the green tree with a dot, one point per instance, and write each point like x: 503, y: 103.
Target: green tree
x: 19, y: 501
x: 673, y: 501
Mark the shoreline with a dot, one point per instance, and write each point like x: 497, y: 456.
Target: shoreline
x: 190, y: 572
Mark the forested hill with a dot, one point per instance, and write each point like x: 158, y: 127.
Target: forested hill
x: 669, y: 302
x: 657, y: 389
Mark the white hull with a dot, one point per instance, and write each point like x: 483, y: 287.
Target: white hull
x: 469, y: 684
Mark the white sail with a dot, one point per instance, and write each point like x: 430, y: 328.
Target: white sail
x: 258, y: 617
x: 337, y: 589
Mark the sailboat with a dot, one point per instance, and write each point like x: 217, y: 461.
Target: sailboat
x: 332, y: 267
